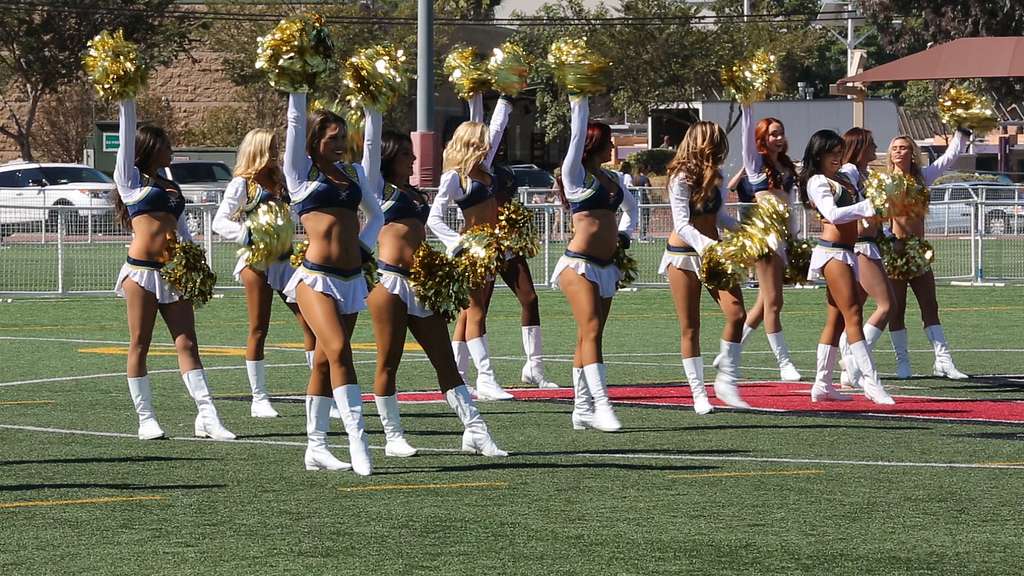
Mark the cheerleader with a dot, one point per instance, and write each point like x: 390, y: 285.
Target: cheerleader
x: 903, y: 158
x: 770, y: 171
x: 258, y: 180
x: 696, y: 193
x: 825, y: 189
x: 329, y: 285
x: 516, y: 274
x: 468, y: 182
x: 859, y: 151
x: 151, y: 207
x: 394, y: 307
x: 586, y: 274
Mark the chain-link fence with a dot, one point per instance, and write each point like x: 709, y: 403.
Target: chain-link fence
x: 978, y: 234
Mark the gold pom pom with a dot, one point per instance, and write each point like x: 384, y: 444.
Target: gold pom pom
x: 752, y: 80
x: 798, y: 252
x: 629, y: 269
x: 114, y: 66
x: 295, y: 53
x: 270, y: 234
x: 516, y: 231
x: 188, y: 273
x: 763, y: 231
x: 913, y: 260
x: 370, y: 273
x: 578, y: 69
x: 375, y: 77
x: 480, y: 256
x: 508, y: 68
x: 438, y: 282
x: 299, y: 253
x: 718, y: 269
x: 895, y: 195
x: 961, y: 108
x: 467, y: 71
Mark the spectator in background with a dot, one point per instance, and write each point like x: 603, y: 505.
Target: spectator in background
x: 627, y: 173
x: 642, y: 192
x: 666, y: 142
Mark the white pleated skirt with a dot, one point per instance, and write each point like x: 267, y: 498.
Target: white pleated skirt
x: 605, y: 276
x: 349, y: 291
x: 823, y: 254
x: 399, y: 285
x: 149, y: 279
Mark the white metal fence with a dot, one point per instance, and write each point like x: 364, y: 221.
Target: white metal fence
x: 978, y: 233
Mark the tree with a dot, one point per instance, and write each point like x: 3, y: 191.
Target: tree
x: 41, y: 45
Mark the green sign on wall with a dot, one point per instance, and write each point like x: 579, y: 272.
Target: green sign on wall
x: 111, y: 141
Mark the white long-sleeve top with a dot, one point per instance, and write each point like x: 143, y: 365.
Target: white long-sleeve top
x: 297, y: 165
x: 957, y: 146
x: 229, y: 220
x: 679, y: 200
x: 822, y: 191
x: 574, y: 175
x: 753, y: 165
x: 853, y: 174
x: 451, y: 190
x: 130, y: 185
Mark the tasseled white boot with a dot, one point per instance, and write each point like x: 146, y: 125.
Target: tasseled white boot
x: 694, y: 370
x: 207, y: 423
x: 387, y: 409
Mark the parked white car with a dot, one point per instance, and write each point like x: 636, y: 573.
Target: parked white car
x: 35, y: 185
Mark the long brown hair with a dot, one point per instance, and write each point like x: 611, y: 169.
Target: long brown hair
x: 148, y: 139
x: 391, y: 143
x: 699, y: 159
x: 857, y: 140
x: 599, y: 137
x: 775, y: 179
x: 319, y: 122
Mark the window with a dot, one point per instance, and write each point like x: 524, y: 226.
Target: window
x: 73, y: 175
x: 192, y: 173
x: 9, y: 179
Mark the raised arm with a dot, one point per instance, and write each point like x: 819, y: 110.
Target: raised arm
x: 752, y: 161
x: 476, y: 108
x: 296, y: 162
x: 819, y: 190
x: 446, y: 192
x: 126, y: 175
x: 957, y: 145
x: 679, y: 200
x: 573, y: 173
x: 499, y: 120
x: 370, y: 205
x: 371, y: 150
x: 224, y: 222
x: 630, y: 210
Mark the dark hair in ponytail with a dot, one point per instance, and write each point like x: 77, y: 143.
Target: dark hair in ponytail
x: 148, y: 139
x: 822, y: 142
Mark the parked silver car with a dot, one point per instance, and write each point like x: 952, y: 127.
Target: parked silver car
x: 1000, y: 208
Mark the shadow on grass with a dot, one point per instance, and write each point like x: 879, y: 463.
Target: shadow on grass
x: 984, y: 384
x: 1016, y: 437
x: 92, y: 485
x: 121, y: 460
x: 513, y: 465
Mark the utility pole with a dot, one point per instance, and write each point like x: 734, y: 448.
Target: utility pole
x: 424, y: 139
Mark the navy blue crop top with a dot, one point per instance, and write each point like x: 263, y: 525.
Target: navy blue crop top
x: 322, y: 192
x: 478, y: 193
x: 598, y: 198
x: 399, y: 204
x: 156, y: 198
x: 711, y: 205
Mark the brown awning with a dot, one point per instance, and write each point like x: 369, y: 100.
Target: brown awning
x: 991, y: 57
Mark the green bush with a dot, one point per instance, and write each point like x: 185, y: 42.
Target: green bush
x: 953, y: 177
x: 654, y: 161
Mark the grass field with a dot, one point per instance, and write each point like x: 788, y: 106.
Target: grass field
x: 735, y: 492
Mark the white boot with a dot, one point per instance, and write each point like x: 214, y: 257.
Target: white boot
x: 207, y: 422
x: 871, y: 335
x: 869, y: 380
x: 461, y: 351
x: 533, y: 370
x: 309, y: 358
x: 476, y: 438
x: 350, y: 402
x: 387, y: 409
x: 260, y: 408
x: 309, y: 362
x: 899, y: 347
x: 823, y: 389
x: 583, y: 402
x: 850, y: 375
x: 142, y: 398
x: 747, y: 331
x: 318, y: 423
x: 604, y: 418
x: 487, y: 387
x: 943, y: 359
x: 694, y: 369
x: 787, y: 371
x: 728, y: 373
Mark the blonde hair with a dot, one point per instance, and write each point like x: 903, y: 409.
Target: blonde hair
x: 254, y: 156
x: 468, y: 148
x: 699, y: 159
x: 915, y: 154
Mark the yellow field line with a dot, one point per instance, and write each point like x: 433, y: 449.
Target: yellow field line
x: 30, y: 503
x: 382, y: 487
x: 748, y: 474
x: 13, y: 402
